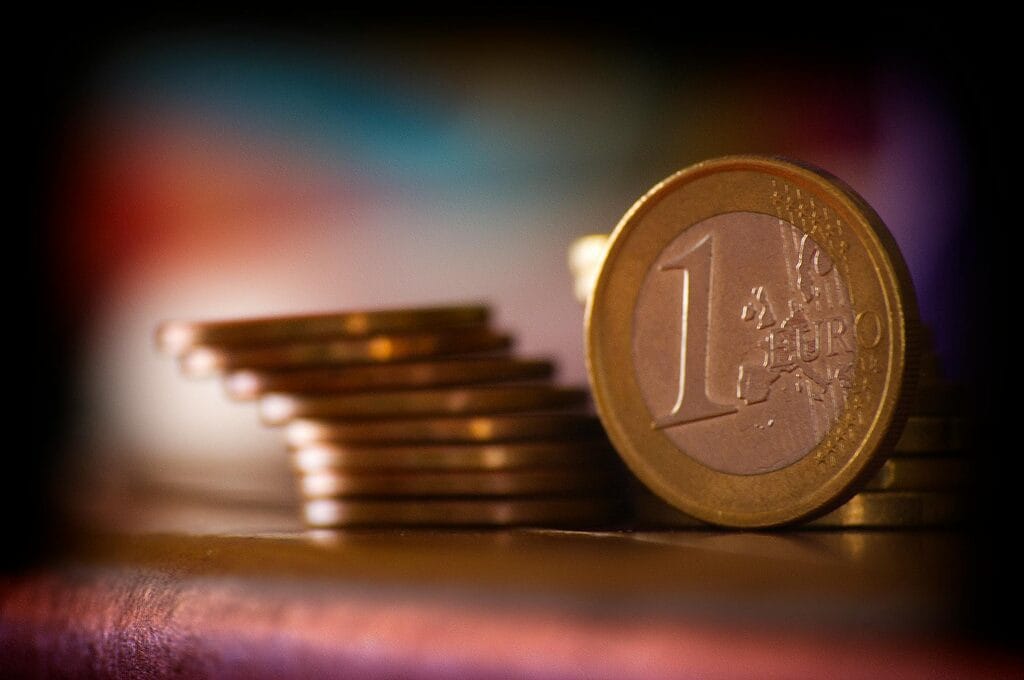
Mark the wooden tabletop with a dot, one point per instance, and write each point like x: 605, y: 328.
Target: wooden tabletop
x: 482, y: 604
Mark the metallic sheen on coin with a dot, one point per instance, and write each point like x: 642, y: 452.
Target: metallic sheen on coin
x: 426, y: 457
x: 585, y: 256
x: 201, y: 362
x: 176, y: 337
x: 555, y: 481
x: 277, y: 409
x: 922, y: 474
x: 250, y: 384
x: 750, y: 341
x: 453, y: 429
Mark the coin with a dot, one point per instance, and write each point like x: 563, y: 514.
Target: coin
x: 176, y: 337
x: 921, y: 474
x: 927, y: 434
x: 425, y: 457
x: 325, y: 513
x: 200, y: 362
x: 250, y: 384
x: 457, y: 429
x: 897, y: 509
x: 866, y: 510
x: 937, y: 399
x: 751, y: 341
x: 585, y: 256
x: 277, y: 409
x: 334, y: 484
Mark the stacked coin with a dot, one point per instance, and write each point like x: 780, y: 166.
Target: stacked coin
x: 412, y: 417
x: 920, y: 484
x: 750, y: 329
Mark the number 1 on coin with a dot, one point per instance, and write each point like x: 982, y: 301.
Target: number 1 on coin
x: 693, y: 402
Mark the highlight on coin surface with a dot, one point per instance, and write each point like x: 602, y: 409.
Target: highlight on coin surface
x: 278, y: 409
x: 585, y: 256
x: 177, y: 337
x: 207, y: 361
x: 751, y: 341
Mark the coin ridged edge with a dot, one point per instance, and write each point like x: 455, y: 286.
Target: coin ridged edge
x: 897, y: 289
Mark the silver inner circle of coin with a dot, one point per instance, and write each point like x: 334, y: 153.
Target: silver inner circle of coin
x: 743, y: 343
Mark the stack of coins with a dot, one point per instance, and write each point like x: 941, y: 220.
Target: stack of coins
x: 920, y: 485
x: 412, y: 417
x: 750, y: 326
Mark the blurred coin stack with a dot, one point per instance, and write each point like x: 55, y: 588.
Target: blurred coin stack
x: 921, y: 483
x: 418, y: 417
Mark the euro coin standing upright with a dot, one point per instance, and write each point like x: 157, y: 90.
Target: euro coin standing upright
x: 751, y: 340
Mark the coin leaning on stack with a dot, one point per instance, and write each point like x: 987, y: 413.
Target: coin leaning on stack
x: 417, y: 417
x: 920, y: 485
x: 777, y: 393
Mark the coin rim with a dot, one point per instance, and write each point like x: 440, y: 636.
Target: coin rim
x: 411, y: 403
x: 430, y: 373
x: 175, y: 336
x: 471, y: 429
x: 609, y: 374
x: 490, y: 457
x: 204, y: 361
x: 441, y: 484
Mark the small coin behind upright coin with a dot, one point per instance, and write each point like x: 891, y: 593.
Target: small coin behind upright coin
x: 582, y: 455
x: 450, y: 430
x: 931, y: 434
x: 330, y: 513
x: 177, y: 337
x: 585, y: 256
x: 250, y: 384
x: 944, y: 473
x: 903, y: 509
x: 750, y: 341
x: 201, y: 361
x: 277, y: 409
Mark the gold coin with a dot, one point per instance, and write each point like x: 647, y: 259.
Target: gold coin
x: 479, y: 457
x: 277, y: 409
x: 176, y: 337
x: 867, y: 510
x: 585, y: 256
x: 937, y: 399
x: 326, y: 513
x: 333, y: 484
x: 921, y: 474
x: 929, y: 434
x: 750, y: 341
x: 250, y: 384
x: 896, y: 509
x: 453, y: 430
x: 200, y: 362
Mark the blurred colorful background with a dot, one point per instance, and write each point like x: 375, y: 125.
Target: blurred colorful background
x: 209, y: 169
x: 216, y: 176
